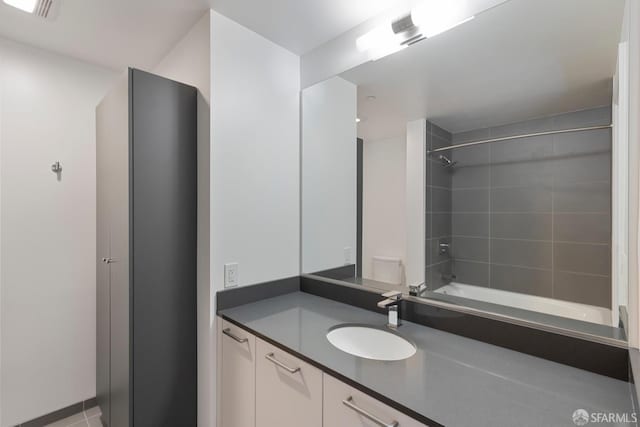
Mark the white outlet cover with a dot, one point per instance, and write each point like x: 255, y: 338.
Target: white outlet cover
x: 347, y: 255
x: 231, y: 275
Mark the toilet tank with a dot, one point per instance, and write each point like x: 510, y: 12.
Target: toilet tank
x: 387, y: 269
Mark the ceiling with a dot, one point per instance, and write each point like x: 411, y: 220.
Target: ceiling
x: 111, y: 33
x: 301, y: 25
x: 520, y: 60
x: 121, y: 33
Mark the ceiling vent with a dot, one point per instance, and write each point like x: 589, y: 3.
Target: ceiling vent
x: 47, y: 9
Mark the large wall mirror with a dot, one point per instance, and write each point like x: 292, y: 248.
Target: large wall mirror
x: 483, y: 167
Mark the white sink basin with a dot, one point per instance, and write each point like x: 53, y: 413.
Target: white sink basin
x: 370, y: 343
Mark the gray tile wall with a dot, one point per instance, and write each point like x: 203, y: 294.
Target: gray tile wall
x: 438, y: 210
x: 531, y: 215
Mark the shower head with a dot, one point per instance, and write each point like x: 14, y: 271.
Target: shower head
x: 446, y: 162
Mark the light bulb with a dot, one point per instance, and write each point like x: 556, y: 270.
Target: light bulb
x: 379, y: 42
x: 433, y: 17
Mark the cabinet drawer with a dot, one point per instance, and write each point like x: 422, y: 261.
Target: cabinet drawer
x: 288, y: 390
x: 344, y: 406
x: 238, y: 376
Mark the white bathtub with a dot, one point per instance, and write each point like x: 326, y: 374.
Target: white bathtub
x: 572, y: 310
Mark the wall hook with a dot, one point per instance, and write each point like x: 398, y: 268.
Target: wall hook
x: 56, y: 167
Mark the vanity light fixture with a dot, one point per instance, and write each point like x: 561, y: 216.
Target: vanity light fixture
x: 428, y: 19
x: 380, y: 42
x: 434, y: 17
x: 28, y: 6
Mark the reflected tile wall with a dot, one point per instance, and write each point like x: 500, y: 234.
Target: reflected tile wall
x: 438, y: 210
x: 530, y: 216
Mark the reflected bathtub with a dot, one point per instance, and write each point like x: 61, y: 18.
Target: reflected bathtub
x: 572, y: 310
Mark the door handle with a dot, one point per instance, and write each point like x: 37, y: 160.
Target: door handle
x: 349, y: 403
x: 108, y: 260
x: 228, y: 333
x: 270, y: 357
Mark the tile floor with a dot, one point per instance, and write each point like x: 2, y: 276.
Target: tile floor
x: 88, y: 418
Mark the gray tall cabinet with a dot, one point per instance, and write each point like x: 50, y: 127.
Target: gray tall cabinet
x: 146, y: 248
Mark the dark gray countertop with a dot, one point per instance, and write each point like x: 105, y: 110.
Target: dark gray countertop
x: 452, y: 380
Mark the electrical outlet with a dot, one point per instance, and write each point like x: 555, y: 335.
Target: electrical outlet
x: 347, y: 255
x: 231, y: 275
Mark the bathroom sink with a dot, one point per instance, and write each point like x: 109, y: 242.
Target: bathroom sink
x: 370, y: 342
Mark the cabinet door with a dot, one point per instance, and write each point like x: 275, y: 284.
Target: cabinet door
x: 238, y: 376
x: 345, y: 406
x: 163, y: 242
x: 116, y: 157
x: 288, y: 390
x: 103, y: 285
x: 112, y: 227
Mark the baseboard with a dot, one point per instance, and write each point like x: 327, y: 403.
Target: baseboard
x: 61, y: 414
x: 339, y: 273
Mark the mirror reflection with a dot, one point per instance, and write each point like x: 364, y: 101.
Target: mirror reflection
x: 483, y: 167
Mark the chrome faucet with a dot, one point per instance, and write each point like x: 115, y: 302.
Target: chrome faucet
x: 417, y: 289
x: 392, y: 303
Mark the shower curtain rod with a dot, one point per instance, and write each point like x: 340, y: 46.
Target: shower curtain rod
x: 507, y: 138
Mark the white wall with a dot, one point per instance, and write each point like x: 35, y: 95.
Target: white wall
x: 255, y: 190
x: 634, y: 141
x: 255, y: 155
x: 47, y: 239
x: 384, y: 201
x: 328, y: 174
x: 190, y: 62
x: 341, y: 54
x: 415, y: 193
x: 248, y: 167
x: 631, y: 32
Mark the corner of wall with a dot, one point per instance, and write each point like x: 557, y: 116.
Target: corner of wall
x: 254, y: 163
x: 416, y: 181
x: 255, y: 155
x: 632, y: 9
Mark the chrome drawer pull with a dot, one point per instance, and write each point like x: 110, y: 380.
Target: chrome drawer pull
x: 349, y: 403
x: 228, y: 333
x: 271, y: 358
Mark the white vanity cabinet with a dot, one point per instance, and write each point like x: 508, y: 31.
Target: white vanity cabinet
x: 238, y: 372
x: 288, y: 390
x: 344, y: 406
x: 264, y: 386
